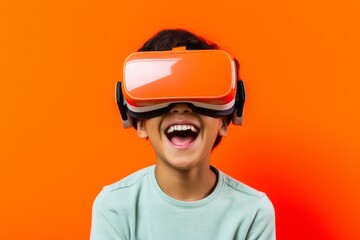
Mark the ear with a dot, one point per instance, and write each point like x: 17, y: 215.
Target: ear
x: 141, y: 129
x: 223, y: 130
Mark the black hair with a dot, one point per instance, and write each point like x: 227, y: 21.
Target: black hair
x: 171, y: 38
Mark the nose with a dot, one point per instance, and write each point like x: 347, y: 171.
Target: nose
x: 181, y: 108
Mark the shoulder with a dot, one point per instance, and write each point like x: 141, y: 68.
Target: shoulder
x: 255, y: 204
x: 245, y: 194
x: 115, y: 204
x: 239, y: 187
x: 129, y: 181
x: 121, y: 192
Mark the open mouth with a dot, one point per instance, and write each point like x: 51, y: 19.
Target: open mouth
x: 182, y: 134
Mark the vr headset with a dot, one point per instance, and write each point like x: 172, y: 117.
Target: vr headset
x: 154, y: 81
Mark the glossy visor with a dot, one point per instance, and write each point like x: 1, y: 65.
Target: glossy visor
x: 154, y: 81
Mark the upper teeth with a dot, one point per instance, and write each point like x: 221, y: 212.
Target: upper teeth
x: 181, y: 128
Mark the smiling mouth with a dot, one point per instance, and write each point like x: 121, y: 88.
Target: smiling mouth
x: 182, y: 134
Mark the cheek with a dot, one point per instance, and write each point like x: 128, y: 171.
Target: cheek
x: 153, y: 129
x: 152, y: 124
x: 213, y: 126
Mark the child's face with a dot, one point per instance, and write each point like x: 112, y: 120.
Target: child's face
x: 182, y: 138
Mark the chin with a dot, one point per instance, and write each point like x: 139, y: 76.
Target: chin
x: 184, y: 163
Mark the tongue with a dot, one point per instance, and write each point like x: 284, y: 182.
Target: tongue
x: 181, y: 141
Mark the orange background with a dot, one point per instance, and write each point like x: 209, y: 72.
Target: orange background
x: 61, y: 137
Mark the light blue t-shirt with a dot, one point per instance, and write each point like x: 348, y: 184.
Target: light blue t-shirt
x: 135, y: 208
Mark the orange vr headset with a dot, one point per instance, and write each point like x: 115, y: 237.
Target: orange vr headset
x: 154, y: 81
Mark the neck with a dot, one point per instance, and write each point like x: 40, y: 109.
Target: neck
x: 186, y: 185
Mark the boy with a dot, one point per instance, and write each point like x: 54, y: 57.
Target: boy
x: 183, y: 197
